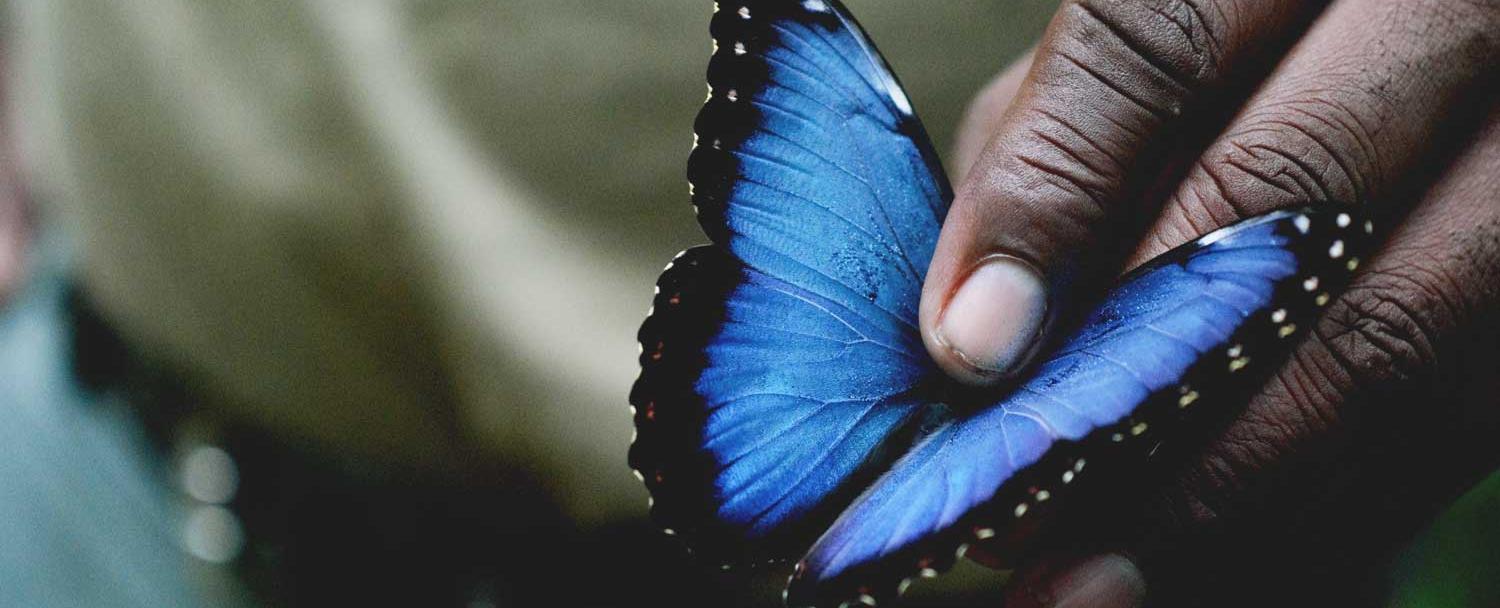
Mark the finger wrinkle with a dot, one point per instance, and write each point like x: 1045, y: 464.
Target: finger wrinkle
x: 1073, y: 185
x: 1186, y: 69
x: 1420, y: 271
x: 1106, y: 173
x: 1313, y: 396
x: 1378, y: 336
x: 1344, y: 118
x: 1282, y: 132
x: 1192, y: 27
x: 1161, y: 114
x: 1096, y: 142
x: 1203, y: 211
x: 1315, y: 191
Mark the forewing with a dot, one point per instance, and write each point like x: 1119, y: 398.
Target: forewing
x: 783, y: 367
x: 809, y: 165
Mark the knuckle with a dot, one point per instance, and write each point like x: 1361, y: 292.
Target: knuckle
x: 1177, y: 36
x: 1385, y: 329
x: 1290, y: 153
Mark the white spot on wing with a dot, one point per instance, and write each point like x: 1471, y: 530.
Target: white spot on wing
x: 1302, y: 223
x: 1187, y: 399
x: 902, y: 103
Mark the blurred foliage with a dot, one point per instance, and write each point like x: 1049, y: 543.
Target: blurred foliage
x: 1456, y: 562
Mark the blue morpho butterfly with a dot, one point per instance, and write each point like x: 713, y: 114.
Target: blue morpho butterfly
x: 786, y: 399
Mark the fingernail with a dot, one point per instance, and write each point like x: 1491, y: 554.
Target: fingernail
x: 994, y: 317
x: 1103, y: 581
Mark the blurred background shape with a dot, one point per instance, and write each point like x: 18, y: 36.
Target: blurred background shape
x: 334, y: 301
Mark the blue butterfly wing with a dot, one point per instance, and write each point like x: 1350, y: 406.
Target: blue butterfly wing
x: 781, y: 366
x: 1183, y: 328
x: 809, y: 165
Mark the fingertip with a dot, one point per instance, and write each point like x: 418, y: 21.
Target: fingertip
x: 989, y: 325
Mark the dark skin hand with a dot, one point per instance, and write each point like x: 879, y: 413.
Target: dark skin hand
x: 1137, y: 125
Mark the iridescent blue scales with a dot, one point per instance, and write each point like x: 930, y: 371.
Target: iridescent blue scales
x: 786, y: 402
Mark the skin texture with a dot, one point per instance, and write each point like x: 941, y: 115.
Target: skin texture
x: 1140, y: 124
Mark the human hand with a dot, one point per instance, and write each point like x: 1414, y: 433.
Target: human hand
x: 1193, y: 114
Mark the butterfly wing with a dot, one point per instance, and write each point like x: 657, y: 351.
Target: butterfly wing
x: 1184, y: 327
x: 809, y: 165
x: 782, y: 366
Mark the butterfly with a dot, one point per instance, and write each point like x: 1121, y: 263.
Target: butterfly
x: 786, y: 403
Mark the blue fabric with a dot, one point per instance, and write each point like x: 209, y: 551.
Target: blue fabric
x: 85, y: 518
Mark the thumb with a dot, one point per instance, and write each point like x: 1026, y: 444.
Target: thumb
x: 1108, y: 82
